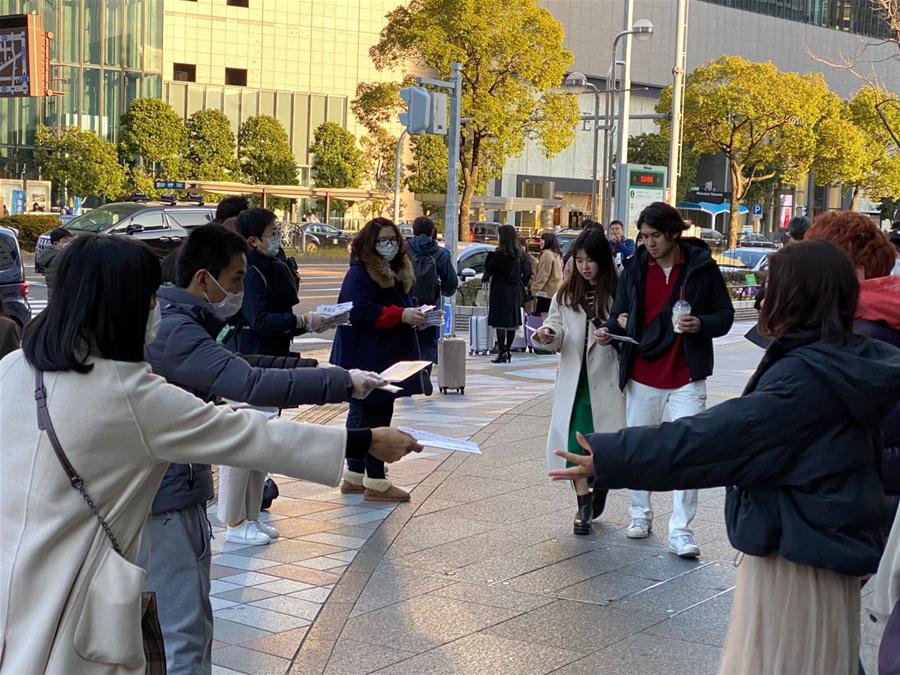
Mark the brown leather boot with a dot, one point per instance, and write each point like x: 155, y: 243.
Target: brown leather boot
x: 382, y: 490
x: 352, y: 484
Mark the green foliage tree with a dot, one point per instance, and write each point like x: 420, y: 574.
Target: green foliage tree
x: 740, y: 109
x: 512, y: 56
x: 337, y: 162
x: 264, y: 152
x: 377, y: 150
x: 428, y: 172
x: 653, y: 150
x: 153, y: 135
x: 211, y: 148
x: 81, y: 161
x: 876, y: 112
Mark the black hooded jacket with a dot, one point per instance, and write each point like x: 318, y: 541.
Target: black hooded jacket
x: 704, y: 288
x: 799, y: 453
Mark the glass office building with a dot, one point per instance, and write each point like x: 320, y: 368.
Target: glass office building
x: 104, y: 54
x: 852, y: 16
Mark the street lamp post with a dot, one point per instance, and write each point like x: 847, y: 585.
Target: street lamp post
x: 578, y: 83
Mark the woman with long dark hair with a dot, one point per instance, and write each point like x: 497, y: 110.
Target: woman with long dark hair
x: 800, y: 454
x: 548, y: 275
x: 80, y: 399
x: 382, y: 331
x: 508, y: 273
x: 9, y: 332
x: 587, y: 397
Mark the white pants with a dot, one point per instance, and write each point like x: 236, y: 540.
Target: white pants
x: 240, y: 494
x: 644, y: 406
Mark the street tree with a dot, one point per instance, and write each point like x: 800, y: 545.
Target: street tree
x: 653, y: 150
x: 337, y: 162
x: 876, y: 113
x: 512, y: 58
x: 842, y: 153
x: 153, y: 136
x: 211, y: 147
x: 739, y: 108
x: 80, y: 161
x: 376, y: 104
x: 264, y: 152
x: 377, y: 152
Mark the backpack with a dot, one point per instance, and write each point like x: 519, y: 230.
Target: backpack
x: 425, y: 288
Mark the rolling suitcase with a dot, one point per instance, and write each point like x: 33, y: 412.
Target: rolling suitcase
x: 452, y: 365
x: 479, y: 335
x: 518, y: 344
x: 533, y: 321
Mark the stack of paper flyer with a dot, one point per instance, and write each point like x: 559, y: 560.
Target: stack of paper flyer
x: 431, y: 440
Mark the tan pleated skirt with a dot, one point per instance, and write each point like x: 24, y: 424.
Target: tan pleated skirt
x: 790, y: 619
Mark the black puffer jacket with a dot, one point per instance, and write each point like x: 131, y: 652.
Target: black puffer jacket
x: 799, y: 452
x: 704, y: 288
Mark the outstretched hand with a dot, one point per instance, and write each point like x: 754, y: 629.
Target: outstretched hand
x: 584, y: 464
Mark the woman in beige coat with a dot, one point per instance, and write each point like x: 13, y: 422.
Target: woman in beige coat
x: 549, y: 273
x: 68, y: 602
x: 588, y: 397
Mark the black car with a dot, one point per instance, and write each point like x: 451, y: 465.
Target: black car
x: 327, y: 235
x: 715, y: 239
x: 755, y: 240
x: 162, y: 227
x: 13, y: 285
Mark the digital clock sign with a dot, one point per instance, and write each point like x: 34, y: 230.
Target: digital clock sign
x: 646, y: 179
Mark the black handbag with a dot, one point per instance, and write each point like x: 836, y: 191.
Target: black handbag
x: 658, y: 336
x: 270, y: 493
x: 154, y: 647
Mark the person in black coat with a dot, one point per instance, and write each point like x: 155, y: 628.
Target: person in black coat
x: 382, y: 331
x: 799, y: 454
x: 509, y: 274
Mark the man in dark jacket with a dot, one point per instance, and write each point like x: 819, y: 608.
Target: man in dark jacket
x: 49, y: 258
x: 671, y: 363
x: 435, y: 278
x: 175, y: 547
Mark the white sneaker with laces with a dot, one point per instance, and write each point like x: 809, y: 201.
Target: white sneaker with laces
x: 247, y: 533
x: 639, y: 529
x: 268, y: 530
x: 684, y: 546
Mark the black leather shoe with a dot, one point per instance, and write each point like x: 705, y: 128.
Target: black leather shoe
x: 598, y: 502
x: 584, y: 517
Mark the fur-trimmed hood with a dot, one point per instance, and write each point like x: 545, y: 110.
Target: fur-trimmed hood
x: 383, y: 274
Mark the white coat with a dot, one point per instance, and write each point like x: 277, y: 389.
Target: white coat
x: 607, y: 400
x: 68, y: 603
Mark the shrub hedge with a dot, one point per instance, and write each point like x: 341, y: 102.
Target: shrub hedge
x: 30, y: 227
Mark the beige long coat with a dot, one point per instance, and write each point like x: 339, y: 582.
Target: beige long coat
x: 62, y: 604
x: 607, y: 401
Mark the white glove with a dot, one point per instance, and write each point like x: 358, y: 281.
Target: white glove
x: 364, y: 382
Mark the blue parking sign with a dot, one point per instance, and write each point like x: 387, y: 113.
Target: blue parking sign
x: 757, y: 209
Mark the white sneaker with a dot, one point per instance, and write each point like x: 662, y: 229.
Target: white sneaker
x: 639, y: 528
x: 269, y: 531
x: 247, y: 533
x: 684, y: 546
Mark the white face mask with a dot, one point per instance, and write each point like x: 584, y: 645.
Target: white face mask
x: 388, y: 249
x: 273, y: 244
x: 230, y: 305
x: 153, y: 321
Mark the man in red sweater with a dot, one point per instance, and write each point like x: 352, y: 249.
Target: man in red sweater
x: 670, y: 364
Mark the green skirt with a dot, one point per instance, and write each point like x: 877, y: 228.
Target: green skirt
x: 582, y: 418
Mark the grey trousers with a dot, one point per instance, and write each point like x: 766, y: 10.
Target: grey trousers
x: 240, y: 494
x: 176, y: 554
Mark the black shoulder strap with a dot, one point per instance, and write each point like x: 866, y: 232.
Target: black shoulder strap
x: 45, y: 424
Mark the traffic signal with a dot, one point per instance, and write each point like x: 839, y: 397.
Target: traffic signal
x: 426, y: 112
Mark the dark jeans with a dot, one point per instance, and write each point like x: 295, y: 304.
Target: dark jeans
x: 370, y: 416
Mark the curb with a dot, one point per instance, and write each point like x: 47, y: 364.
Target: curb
x: 314, y: 651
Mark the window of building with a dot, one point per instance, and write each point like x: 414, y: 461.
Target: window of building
x: 236, y: 77
x: 184, y: 72
x: 238, y: 3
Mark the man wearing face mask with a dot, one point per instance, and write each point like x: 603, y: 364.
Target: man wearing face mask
x: 268, y: 322
x: 175, y: 545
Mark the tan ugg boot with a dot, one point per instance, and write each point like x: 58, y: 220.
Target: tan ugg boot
x: 352, y: 483
x: 382, y: 490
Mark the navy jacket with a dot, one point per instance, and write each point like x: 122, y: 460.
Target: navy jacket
x: 266, y: 323
x: 186, y: 354
x: 448, y: 281
x: 704, y: 287
x: 372, y: 286
x: 799, y: 452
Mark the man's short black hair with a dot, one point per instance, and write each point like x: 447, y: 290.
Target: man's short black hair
x: 59, y: 233
x: 798, y: 226
x: 617, y: 222
x: 210, y: 247
x: 423, y: 225
x: 253, y: 222
x: 230, y: 207
x: 663, y: 218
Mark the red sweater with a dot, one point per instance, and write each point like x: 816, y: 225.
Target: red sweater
x: 670, y: 371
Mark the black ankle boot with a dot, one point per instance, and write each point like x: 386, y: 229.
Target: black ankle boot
x: 584, y: 516
x: 598, y: 502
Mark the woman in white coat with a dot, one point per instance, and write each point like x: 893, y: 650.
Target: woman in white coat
x: 69, y: 602
x: 587, y: 398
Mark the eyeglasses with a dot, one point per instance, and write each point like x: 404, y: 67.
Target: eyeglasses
x: 391, y: 240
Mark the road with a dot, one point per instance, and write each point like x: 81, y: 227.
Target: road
x: 320, y: 284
